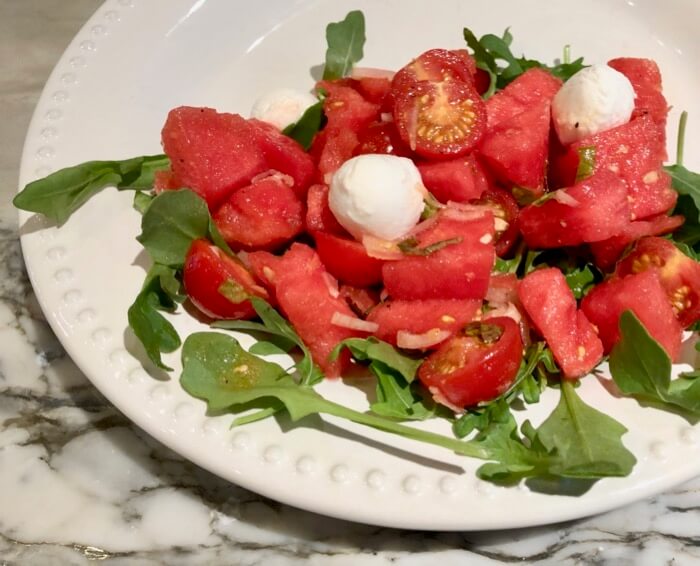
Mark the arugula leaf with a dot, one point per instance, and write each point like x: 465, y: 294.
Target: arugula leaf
x: 276, y: 325
x: 575, y: 441
x: 641, y: 368
x: 142, y: 200
x: 493, y: 55
x: 395, y: 373
x: 171, y: 223
x: 580, y: 280
x: 160, y: 291
x: 345, y: 40
x: 218, y: 370
x: 304, y: 130
x: 61, y: 193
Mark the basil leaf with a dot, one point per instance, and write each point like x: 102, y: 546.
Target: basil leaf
x: 409, y: 246
x: 586, y: 163
x: 60, y: 194
x: 345, y: 40
x: 641, y: 368
x: 160, y: 291
x: 306, y: 128
x: 171, y: 223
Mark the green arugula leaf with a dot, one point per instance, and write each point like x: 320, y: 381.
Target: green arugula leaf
x: 641, y: 368
x: 171, y: 223
x: 219, y: 371
x: 580, y: 280
x: 305, y: 129
x: 345, y: 40
x: 494, y: 55
x: 142, y: 200
x: 60, y: 194
x: 395, y: 372
x: 575, y: 441
x: 276, y: 325
x: 160, y: 291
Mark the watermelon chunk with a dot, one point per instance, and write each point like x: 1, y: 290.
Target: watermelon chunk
x: 551, y: 306
x: 516, y: 148
x: 530, y: 89
x: 635, y: 152
x: 302, y: 292
x: 644, y: 295
x: 216, y: 153
x: 591, y: 211
x: 645, y: 77
x: 459, y: 180
x: 419, y: 317
x: 319, y: 217
x: 459, y: 270
x: 264, y: 215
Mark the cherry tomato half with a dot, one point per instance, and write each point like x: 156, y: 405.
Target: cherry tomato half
x: 505, y: 213
x: 478, y: 364
x: 219, y: 285
x: 440, y: 119
x: 381, y: 137
x: 436, y: 65
x: 679, y: 274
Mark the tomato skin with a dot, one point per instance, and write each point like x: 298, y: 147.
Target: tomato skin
x: 465, y: 370
x: 551, y: 306
x: 607, y: 252
x: 381, y: 137
x: 347, y: 260
x: 679, y: 274
x: 645, y: 296
x: 505, y: 208
x: 206, y: 269
x: 439, y: 120
x: 435, y: 65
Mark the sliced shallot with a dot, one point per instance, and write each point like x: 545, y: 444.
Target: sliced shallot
x: 411, y: 341
x: 353, y: 323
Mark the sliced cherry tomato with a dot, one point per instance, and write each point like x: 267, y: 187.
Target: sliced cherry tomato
x: 505, y: 213
x: 440, y: 119
x: 679, y: 274
x: 347, y: 260
x: 478, y: 364
x: 436, y: 65
x: 381, y: 137
x: 219, y: 285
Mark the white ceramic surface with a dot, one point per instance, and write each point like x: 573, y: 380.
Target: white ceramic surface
x: 108, y: 97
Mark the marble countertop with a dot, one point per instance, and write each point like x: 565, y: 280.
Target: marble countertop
x: 79, y: 483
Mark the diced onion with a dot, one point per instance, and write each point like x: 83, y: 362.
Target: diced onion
x: 371, y: 73
x: 464, y: 212
x: 332, y: 284
x: 353, y: 323
x: 565, y: 198
x: 381, y: 249
x: 440, y: 398
x: 508, y: 310
x: 411, y: 341
x: 279, y: 177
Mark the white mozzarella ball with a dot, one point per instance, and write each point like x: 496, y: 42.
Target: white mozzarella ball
x: 282, y: 107
x: 377, y: 195
x: 595, y: 99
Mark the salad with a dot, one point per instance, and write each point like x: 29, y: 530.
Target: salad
x: 473, y: 228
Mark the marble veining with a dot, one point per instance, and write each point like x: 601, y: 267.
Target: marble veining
x: 79, y: 483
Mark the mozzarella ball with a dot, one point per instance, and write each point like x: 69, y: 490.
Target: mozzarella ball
x: 595, y: 99
x: 377, y: 195
x: 282, y: 107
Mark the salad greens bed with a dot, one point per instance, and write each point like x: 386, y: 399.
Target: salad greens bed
x: 575, y: 441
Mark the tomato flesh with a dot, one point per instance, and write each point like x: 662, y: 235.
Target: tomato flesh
x: 505, y: 212
x: 347, y: 260
x: 381, y: 137
x: 436, y: 65
x: 679, y: 274
x: 440, y: 119
x: 206, y: 269
x: 478, y: 364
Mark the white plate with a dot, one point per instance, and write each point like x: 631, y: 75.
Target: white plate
x: 107, y: 99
